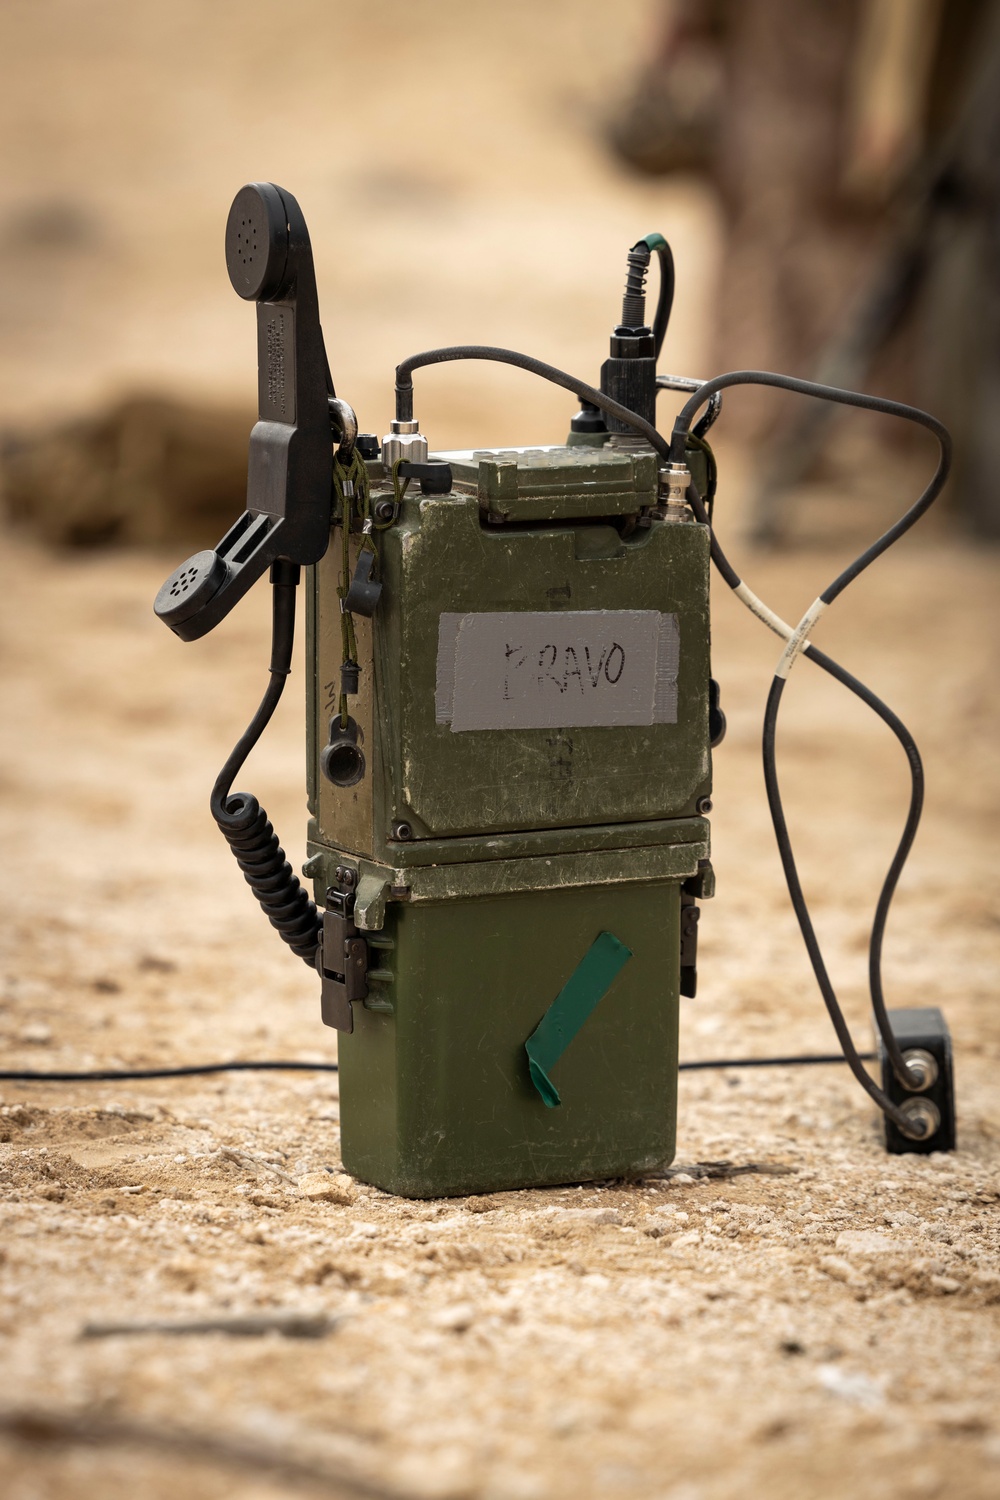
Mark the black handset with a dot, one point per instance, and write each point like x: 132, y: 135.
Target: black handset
x: 269, y: 259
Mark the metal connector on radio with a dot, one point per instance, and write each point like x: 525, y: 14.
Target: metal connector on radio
x: 403, y: 440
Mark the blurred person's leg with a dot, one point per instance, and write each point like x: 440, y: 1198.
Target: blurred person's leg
x: 926, y: 325
x: 796, y: 249
x: 668, y: 121
x: 959, y: 317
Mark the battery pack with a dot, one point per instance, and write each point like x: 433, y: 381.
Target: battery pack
x: 436, y: 1093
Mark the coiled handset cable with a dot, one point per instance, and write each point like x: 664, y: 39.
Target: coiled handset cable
x: 796, y: 638
x: 243, y: 821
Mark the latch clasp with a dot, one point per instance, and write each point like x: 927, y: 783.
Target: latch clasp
x: 342, y: 961
x: 696, y: 888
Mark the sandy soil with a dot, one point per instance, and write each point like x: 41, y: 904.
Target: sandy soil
x: 825, y: 1325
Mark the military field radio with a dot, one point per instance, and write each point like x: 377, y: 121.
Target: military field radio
x: 511, y: 715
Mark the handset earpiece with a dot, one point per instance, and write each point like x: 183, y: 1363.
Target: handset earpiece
x: 289, y: 475
x: 257, y: 234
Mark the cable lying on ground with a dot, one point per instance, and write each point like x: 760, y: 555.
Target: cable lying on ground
x: 114, y: 1075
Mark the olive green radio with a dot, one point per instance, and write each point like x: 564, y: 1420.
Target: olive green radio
x: 510, y: 722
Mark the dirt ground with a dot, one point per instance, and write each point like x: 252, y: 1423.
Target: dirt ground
x: 824, y: 1325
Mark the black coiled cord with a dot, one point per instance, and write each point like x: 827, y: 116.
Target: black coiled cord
x: 250, y: 835
x: 634, y: 300
x: 243, y: 822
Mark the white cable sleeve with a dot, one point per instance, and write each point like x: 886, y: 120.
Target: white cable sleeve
x: 798, y: 640
x: 759, y: 608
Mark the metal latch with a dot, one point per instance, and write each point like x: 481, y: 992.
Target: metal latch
x: 342, y: 961
x: 695, y: 888
x: 690, y: 914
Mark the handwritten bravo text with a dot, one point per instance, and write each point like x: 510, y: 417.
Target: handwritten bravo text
x: 555, y: 668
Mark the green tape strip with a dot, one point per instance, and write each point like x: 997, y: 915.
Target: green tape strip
x: 579, y: 996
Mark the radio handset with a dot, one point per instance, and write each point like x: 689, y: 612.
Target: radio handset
x: 289, y: 475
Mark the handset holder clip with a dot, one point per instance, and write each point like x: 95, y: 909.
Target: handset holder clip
x: 289, y: 474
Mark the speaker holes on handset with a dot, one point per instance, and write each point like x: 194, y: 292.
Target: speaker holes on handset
x: 243, y: 241
x: 183, y: 582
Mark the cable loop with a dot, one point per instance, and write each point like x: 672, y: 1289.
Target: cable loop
x: 674, y: 452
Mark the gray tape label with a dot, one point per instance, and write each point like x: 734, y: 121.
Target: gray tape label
x: 525, y: 670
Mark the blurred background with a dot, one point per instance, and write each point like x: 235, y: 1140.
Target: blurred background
x: 454, y: 170
x: 828, y: 174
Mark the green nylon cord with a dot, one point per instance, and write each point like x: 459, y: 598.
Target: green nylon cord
x: 356, y: 507
x: 399, y: 488
x: 574, y: 1004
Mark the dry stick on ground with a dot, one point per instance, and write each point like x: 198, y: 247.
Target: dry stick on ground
x: 49, y: 1428
x: 242, y: 1159
x: 292, y: 1325
x: 701, y: 1169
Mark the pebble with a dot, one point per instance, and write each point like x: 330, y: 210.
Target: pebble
x: 921, y: 1266
x: 586, y: 1216
x: 858, y: 1389
x: 36, y: 1033
x: 871, y: 1242
x: 328, y: 1187
x: 454, y: 1319
x: 841, y: 1270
